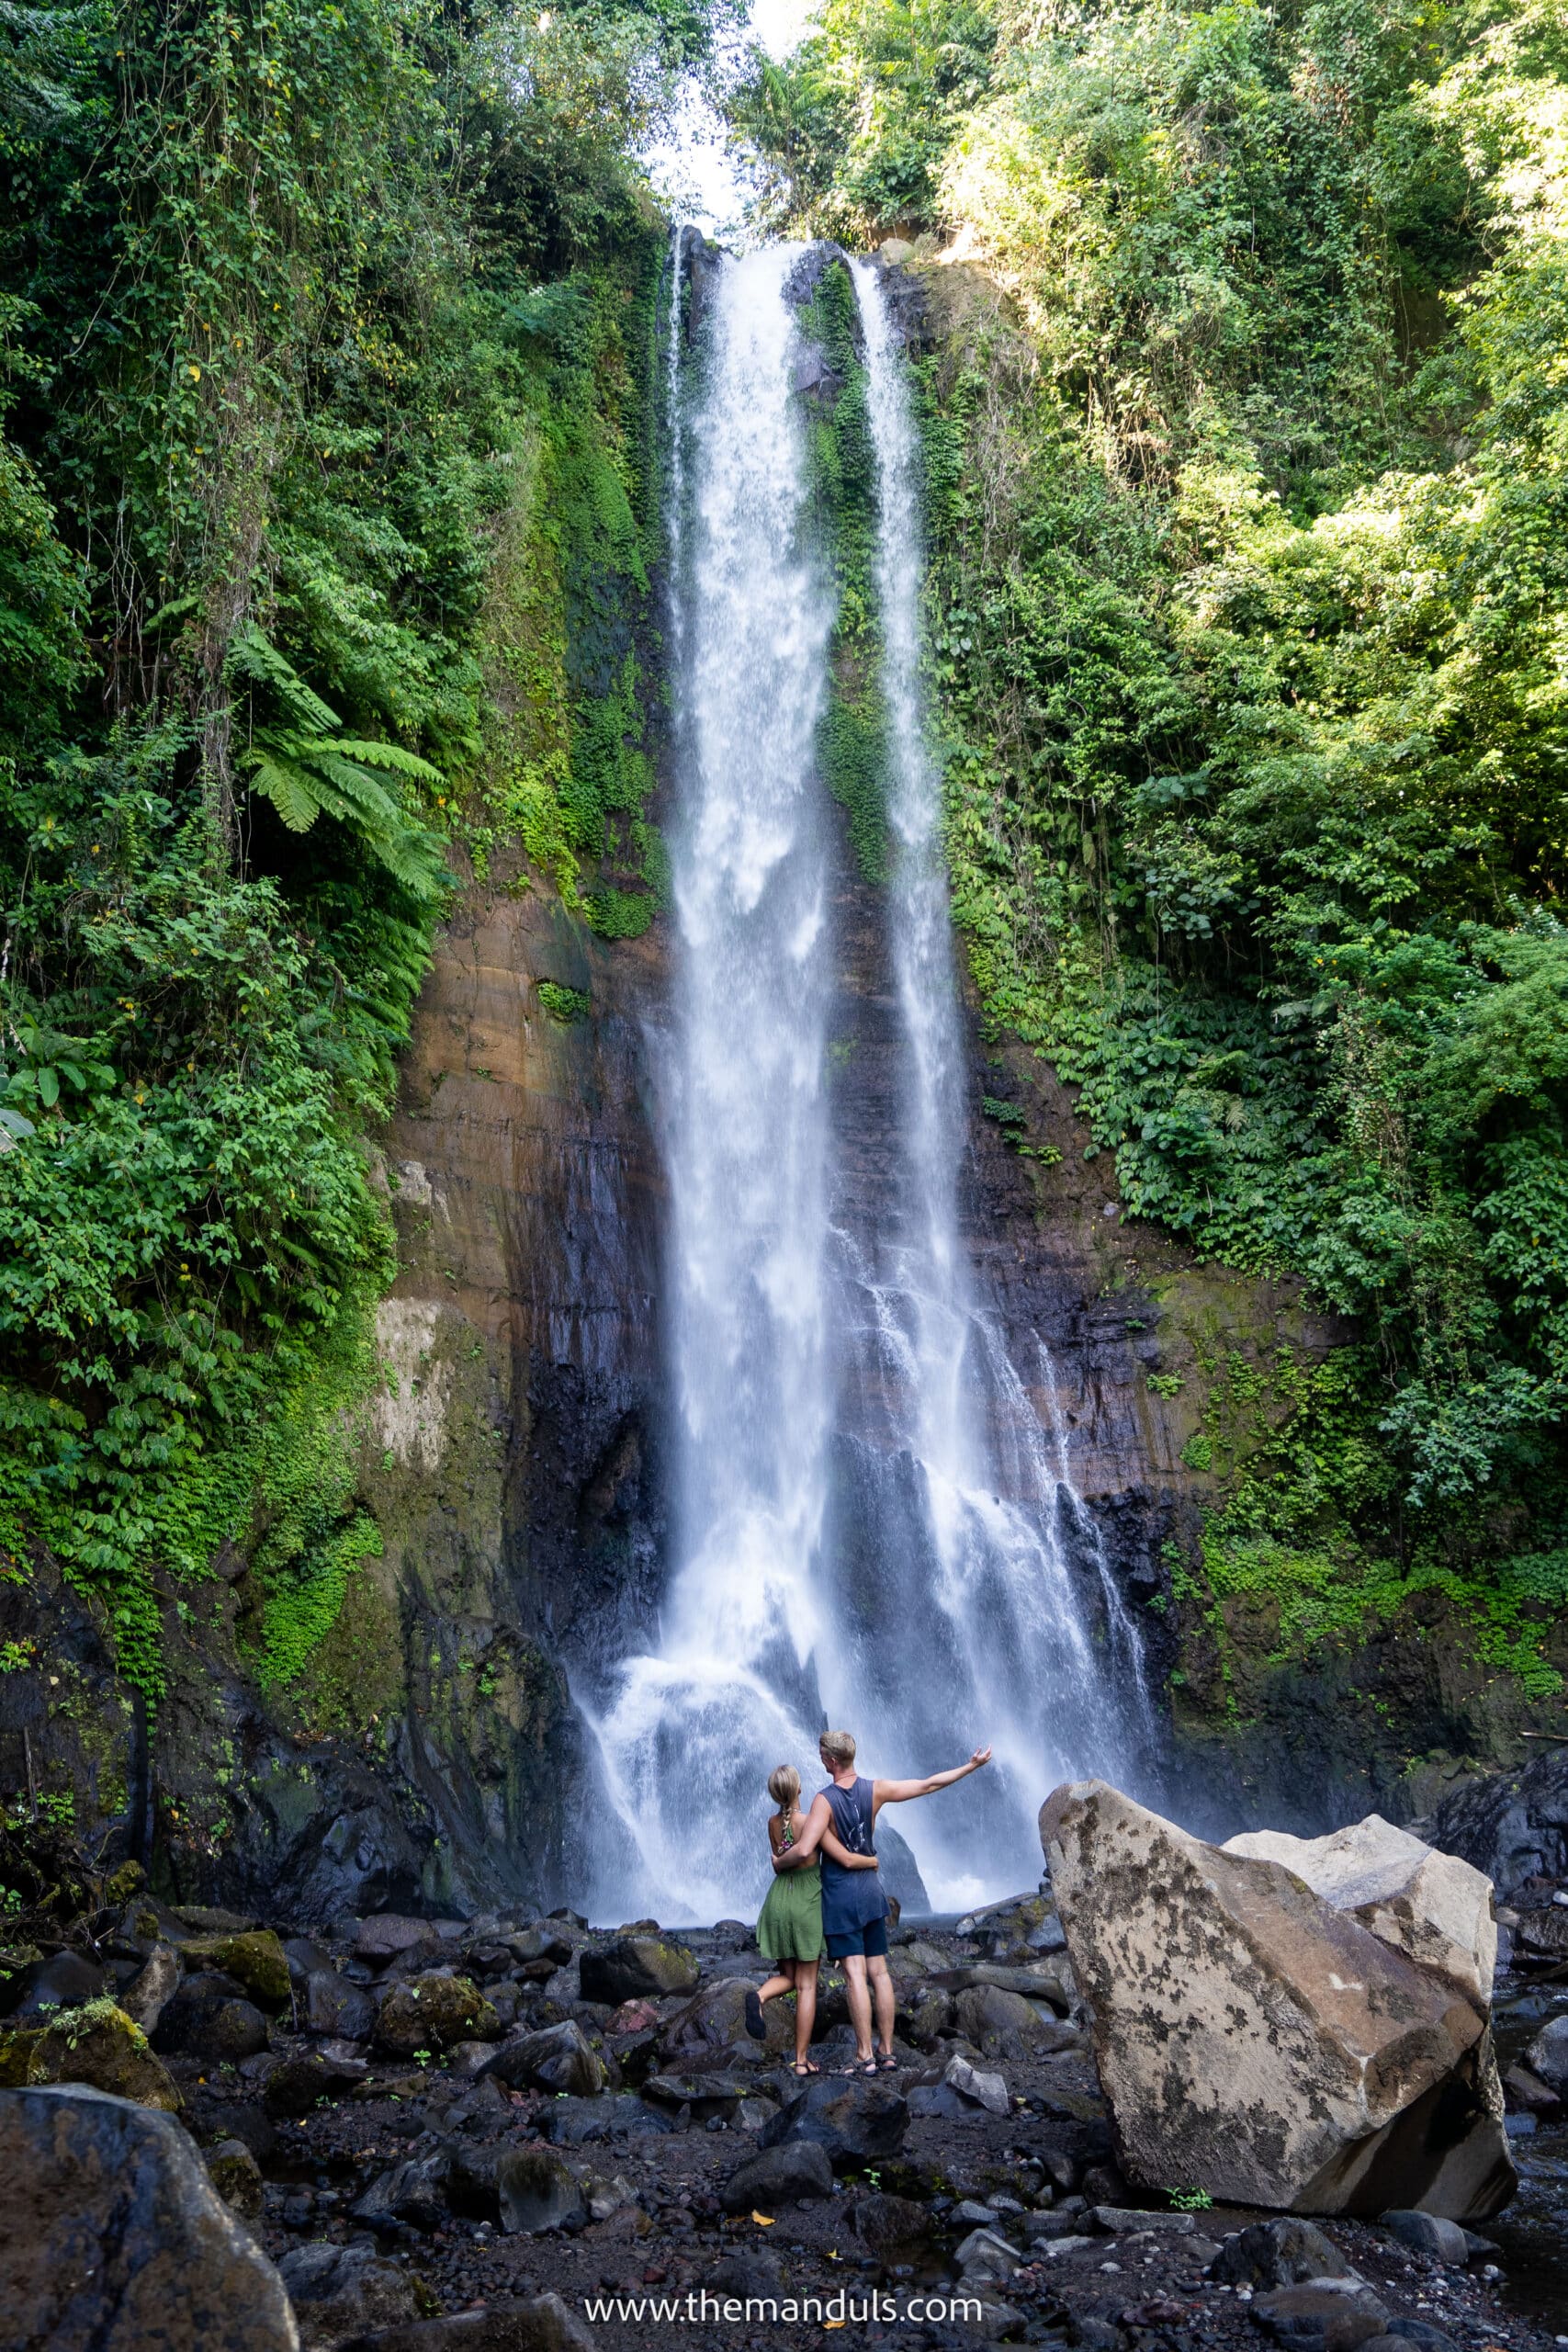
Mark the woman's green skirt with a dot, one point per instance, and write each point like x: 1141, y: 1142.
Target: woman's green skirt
x: 791, y: 1924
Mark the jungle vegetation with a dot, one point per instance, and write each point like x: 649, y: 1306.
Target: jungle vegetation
x: 1247, y: 454
x: 325, y: 497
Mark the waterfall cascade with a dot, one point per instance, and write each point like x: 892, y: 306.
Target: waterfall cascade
x: 911, y: 1581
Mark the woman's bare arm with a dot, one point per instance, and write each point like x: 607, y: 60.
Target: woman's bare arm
x: 840, y: 1853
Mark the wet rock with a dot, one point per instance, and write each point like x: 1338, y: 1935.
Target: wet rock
x: 63, y: 1981
x: 1279, y: 2254
x: 925, y: 2015
x: 339, y: 2290
x: 433, y: 2013
x: 579, y: 2122
x: 1433, y: 1906
x: 557, y: 2058
x: 986, y: 2256
x: 543, y: 2324
x: 293, y: 2088
x: 1548, y: 2054
x: 536, y: 2192
x: 1320, y: 2318
x: 779, y: 2175
x: 1259, y: 2044
x: 711, y: 2029
x: 414, y: 2191
x: 719, y: 2093
x: 208, y: 2017
x: 1528, y: 2093
x: 1005, y: 2025
x: 304, y: 1957
x: 236, y: 2175
x: 1049, y: 1980
x: 1127, y: 2220
x: 891, y: 2226
x: 332, y: 2005
x: 115, y: 2236
x: 1429, y: 2233
x: 1511, y: 1826
x: 748, y: 2273
x: 857, y: 2122
x: 256, y: 1962
x: 636, y: 1968
x: 965, y: 2089
x: 98, y: 2045
x: 389, y: 1935
x: 153, y: 1987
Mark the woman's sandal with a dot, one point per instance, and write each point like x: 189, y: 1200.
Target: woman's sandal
x: 857, y: 2069
x: 803, y: 2074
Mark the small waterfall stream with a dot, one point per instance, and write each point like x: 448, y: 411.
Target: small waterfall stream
x: 914, y: 1582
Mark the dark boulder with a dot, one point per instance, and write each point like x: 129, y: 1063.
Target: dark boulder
x: 543, y: 2324
x: 114, y: 2235
x: 857, y: 2122
x: 338, y: 2290
x: 63, y: 1981
x: 331, y: 2004
x: 557, y: 2058
x: 636, y: 1967
x: 779, y: 2175
x: 1279, y: 2254
x: 536, y: 2192
x: 208, y: 2017
x: 433, y: 2013
x: 1513, y: 1826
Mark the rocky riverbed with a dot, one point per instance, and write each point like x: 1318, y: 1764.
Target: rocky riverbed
x: 424, y: 2119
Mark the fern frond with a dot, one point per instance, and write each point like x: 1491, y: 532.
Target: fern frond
x: 292, y: 792
x: 255, y: 657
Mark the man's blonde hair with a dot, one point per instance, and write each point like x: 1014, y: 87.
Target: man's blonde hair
x: 784, y: 1786
x: 838, y: 1745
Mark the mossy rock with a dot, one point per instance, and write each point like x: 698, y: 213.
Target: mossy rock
x: 255, y: 1961
x: 98, y: 2045
x: 637, y: 1968
x: 236, y: 2175
x: 434, y: 2013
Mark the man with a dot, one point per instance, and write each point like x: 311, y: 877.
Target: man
x: 854, y: 1909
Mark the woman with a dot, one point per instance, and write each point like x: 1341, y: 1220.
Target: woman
x: 789, y: 1931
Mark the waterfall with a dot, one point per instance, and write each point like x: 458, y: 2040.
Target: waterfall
x: 695, y: 1725
x: 920, y: 1580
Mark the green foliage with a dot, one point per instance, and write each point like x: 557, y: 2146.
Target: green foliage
x: 1250, y: 599
x: 563, y: 1004
x: 852, y: 745
x: 323, y: 504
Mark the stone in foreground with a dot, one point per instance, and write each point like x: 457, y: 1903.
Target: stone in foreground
x: 112, y: 2234
x: 1256, y: 2042
x: 858, y: 2122
x: 1430, y: 1905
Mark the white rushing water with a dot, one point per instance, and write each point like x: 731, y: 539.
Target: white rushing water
x: 923, y: 1579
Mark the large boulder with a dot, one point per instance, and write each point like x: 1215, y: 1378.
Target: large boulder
x: 256, y: 1960
x: 65, y: 1980
x: 557, y: 2058
x: 710, y: 2028
x: 858, y: 2122
x: 1513, y: 1826
x: 780, y: 2175
x: 112, y: 2234
x: 1434, y: 1906
x: 433, y: 2013
x: 342, y: 2290
x: 333, y: 2005
x: 1547, y: 2054
x: 536, y: 2192
x: 99, y: 2046
x: 1257, y: 2042
x: 208, y: 2017
x: 634, y: 1967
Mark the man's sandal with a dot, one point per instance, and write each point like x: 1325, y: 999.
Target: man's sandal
x: 857, y: 2069
x: 888, y: 2064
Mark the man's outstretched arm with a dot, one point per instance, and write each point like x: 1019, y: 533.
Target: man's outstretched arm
x: 900, y: 1791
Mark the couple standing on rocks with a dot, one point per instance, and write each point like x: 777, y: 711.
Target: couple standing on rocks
x: 825, y: 1895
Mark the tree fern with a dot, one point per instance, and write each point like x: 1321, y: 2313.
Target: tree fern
x: 307, y: 769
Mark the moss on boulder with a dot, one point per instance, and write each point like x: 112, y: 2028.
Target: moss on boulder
x: 434, y: 2013
x: 98, y: 2045
x: 255, y: 1961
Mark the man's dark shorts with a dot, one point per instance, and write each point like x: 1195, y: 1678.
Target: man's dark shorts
x: 870, y: 1940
